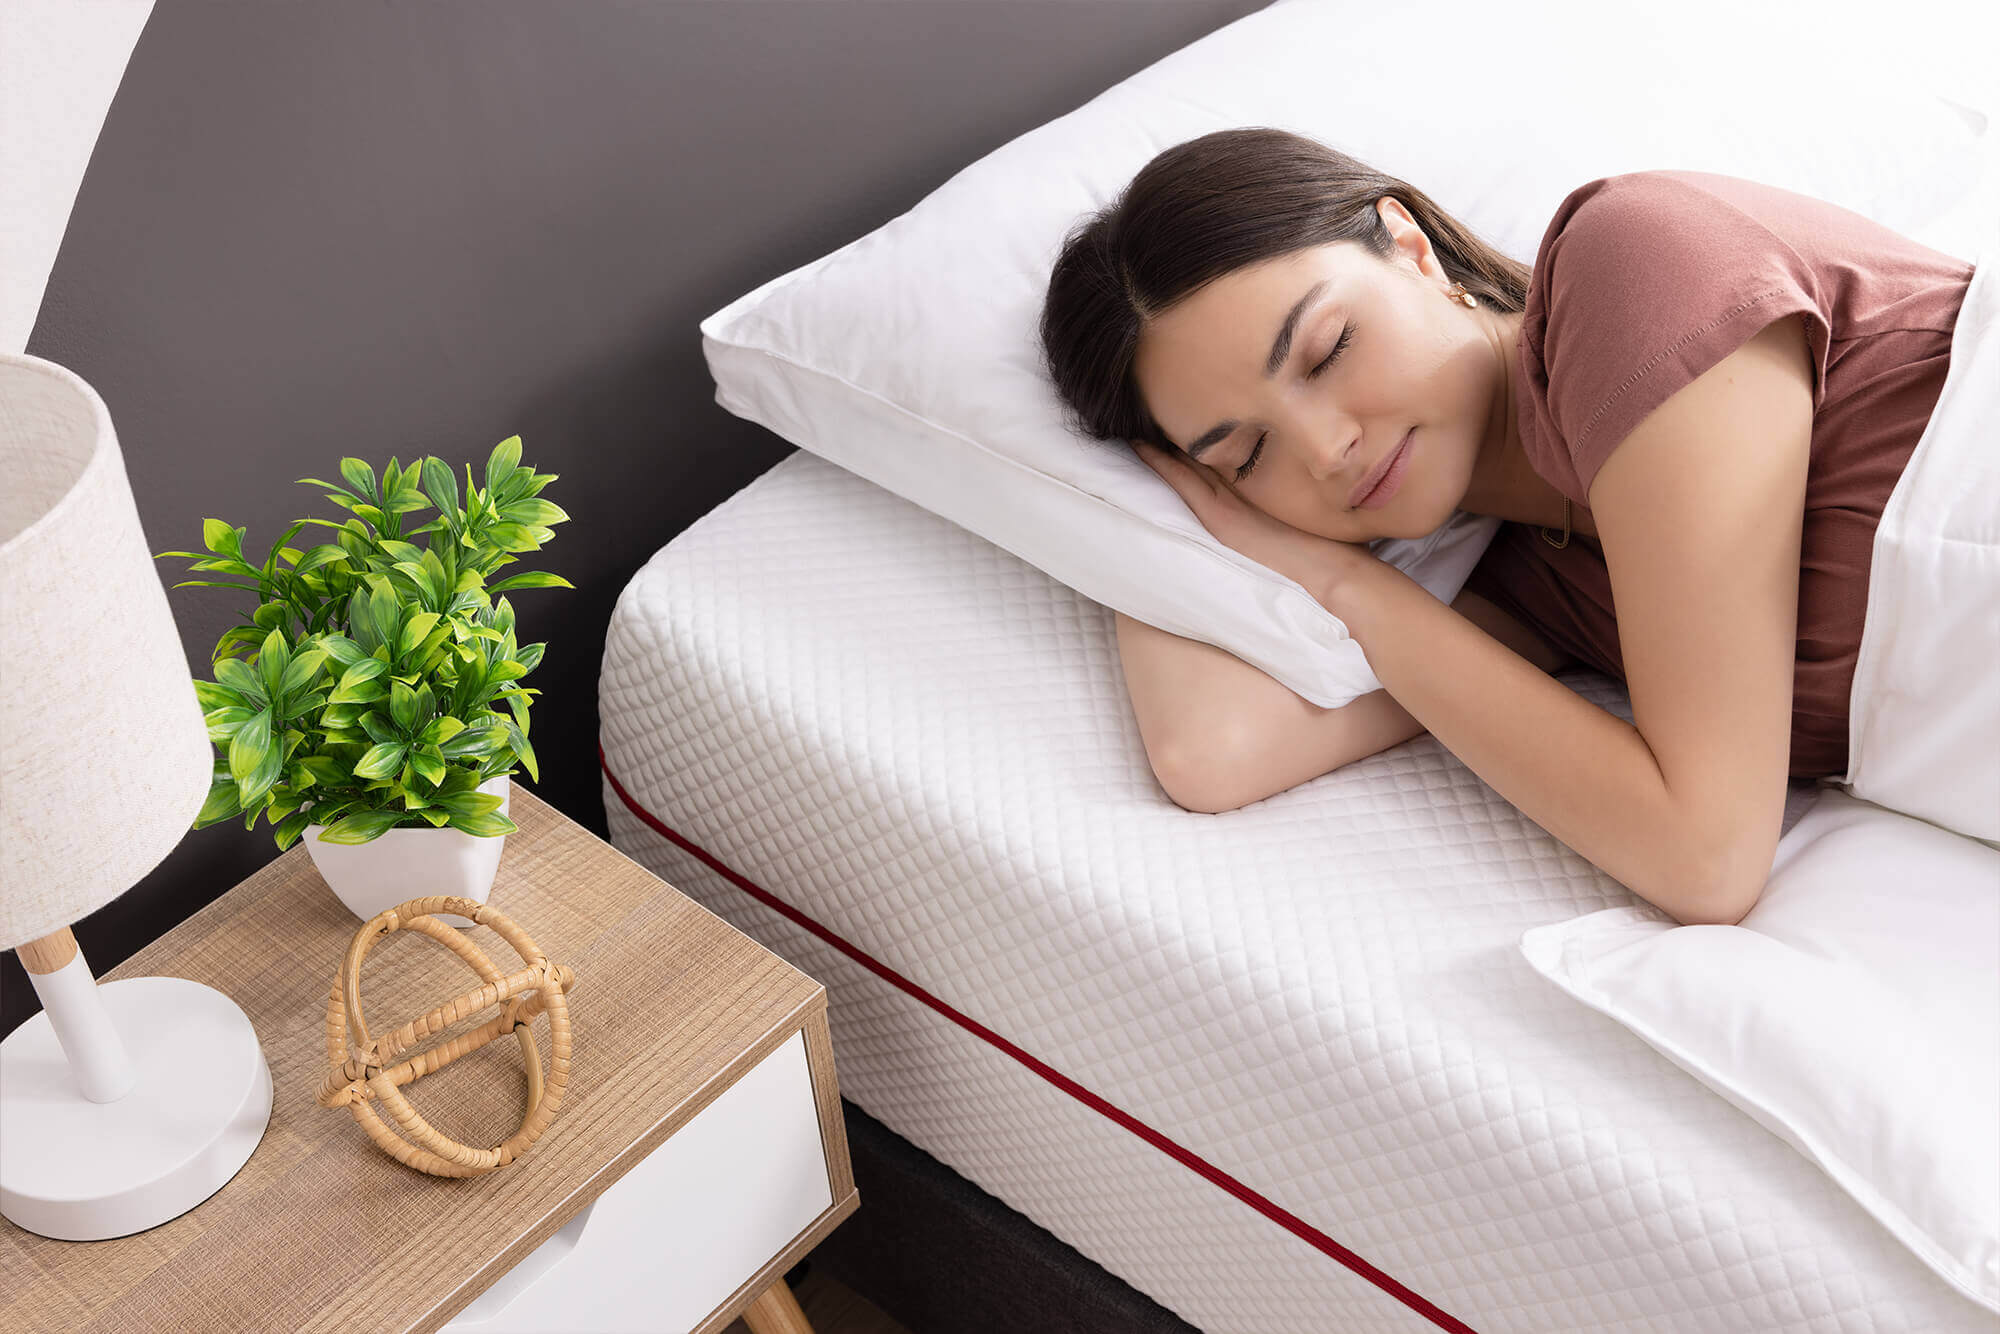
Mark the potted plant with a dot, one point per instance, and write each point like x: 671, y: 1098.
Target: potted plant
x: 361, y: 706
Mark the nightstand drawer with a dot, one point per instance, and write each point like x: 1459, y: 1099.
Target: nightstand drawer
x: 673, y: 1238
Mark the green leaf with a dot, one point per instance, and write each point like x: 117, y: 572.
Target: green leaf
x: 214, y: 695
x: 378, y: 728
x: 414, y: 631
x: 224, y: 723
x: 439, y: 819
x: 239, y: 677
x: 397, y: 550
x: 278, y: 549
x: 324, y: 769
x: 381, y: 760
x: 534, y: 512
x: 327, y: 812
x: 359, y: 476
x: 474, y: 743
x: 220, y: 538
x: 517, y: 537
x: 441, y: 485
x: 506, y: 456
x: 361, y: 827
x: 491, y: 825
x: 429, y: 655
x: 291, y: 827
x: 328, y: 553
x: 222, y: 798
x: 350, y: 691
x: 362, y: 694
x: 247, y: 635
x: 272, y: 660
x: 529, y: 579
x: 468, y: 803
x: 385, y: 612
x: 254, y: 761
x: 429, y: 767
x: 405, y: 498
x: 342, y: 649
x: 302, y: 670
x: 440, y: 729
x: 403, y: 705
x: 314, y: 481
x: 517, y: 741
x: 217, y: 583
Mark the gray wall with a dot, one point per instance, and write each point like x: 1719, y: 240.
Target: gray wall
x: 375, y: 228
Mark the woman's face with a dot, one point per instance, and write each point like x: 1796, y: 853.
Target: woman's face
x: 1409, y: 357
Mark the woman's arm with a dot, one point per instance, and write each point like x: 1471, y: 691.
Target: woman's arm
x: 1221, y: 734
x: 1701, y: 509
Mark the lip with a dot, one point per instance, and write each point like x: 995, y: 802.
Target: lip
x: 1364, y: 494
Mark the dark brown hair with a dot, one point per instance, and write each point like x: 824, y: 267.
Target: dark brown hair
x: 1205, y: 208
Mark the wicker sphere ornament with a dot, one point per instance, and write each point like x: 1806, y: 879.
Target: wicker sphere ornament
x: 362, y: 1074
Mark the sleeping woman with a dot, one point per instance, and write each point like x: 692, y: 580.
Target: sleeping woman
x: 1692, y: 408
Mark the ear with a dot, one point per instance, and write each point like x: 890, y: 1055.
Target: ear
x: 1413, y: 248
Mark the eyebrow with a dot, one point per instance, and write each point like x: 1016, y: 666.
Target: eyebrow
x: 1281, y: 348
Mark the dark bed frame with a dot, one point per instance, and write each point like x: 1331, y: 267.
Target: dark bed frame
x: 381, y: 228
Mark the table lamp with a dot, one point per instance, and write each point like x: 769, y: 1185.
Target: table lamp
x: 126, y: 1104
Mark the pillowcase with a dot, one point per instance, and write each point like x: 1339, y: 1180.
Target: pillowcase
x: 1855, y: 1014
x: 911, y: 356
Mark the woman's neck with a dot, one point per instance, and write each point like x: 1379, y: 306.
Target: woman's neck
x: 1504, y: 484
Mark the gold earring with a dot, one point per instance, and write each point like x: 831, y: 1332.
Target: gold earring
x: 1457, y: 292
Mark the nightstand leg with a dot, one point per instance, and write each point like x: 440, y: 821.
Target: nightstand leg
x: 776, y: 1311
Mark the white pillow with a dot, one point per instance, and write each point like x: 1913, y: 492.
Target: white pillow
x: 1855, y: 1014
x: 911, y: 356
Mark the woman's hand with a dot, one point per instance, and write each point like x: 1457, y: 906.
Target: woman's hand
x: 1318, y: 564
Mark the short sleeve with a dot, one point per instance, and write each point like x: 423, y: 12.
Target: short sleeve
x: 1643, y: 282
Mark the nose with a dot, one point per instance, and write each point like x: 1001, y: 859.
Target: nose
x: 1332, y: 454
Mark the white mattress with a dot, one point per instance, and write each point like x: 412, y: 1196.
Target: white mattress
x: 1284, y: 1068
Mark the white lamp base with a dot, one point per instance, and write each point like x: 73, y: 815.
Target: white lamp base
x: 79, y: 1170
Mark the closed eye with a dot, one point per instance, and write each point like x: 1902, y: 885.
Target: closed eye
x: 1339, y: 346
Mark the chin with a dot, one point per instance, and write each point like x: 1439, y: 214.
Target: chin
x: 1416, y: 519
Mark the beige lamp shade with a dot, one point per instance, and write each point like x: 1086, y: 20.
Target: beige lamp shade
x: 104, y: 754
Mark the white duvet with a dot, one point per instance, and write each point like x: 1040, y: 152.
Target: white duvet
x: 1924, y: 717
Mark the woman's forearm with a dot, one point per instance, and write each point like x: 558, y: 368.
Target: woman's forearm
x: 1584, y: 775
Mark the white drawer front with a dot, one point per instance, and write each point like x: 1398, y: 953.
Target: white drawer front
x: 668, y: 1243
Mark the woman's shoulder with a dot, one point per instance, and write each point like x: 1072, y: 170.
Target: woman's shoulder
x: 1644, y: 281
x: 1660, y: 227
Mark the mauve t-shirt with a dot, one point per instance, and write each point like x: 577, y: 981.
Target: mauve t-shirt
x: 1644, y: 281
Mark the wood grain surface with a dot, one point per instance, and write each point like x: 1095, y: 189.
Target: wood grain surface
x: 321, y: 1230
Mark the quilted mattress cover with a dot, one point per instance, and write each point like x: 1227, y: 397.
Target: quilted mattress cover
x: 1284, y: 1068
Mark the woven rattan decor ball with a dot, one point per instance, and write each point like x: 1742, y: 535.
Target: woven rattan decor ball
x: 361, y: 1072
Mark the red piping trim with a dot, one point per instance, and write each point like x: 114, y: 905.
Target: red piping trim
x: 1297, y: 1226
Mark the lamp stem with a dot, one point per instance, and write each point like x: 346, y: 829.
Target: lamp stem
x: 62, y: 977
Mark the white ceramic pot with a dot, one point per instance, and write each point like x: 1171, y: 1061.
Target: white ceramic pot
x: 409, y: 863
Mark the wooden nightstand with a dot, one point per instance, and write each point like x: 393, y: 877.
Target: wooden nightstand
x: 698, y: 1155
